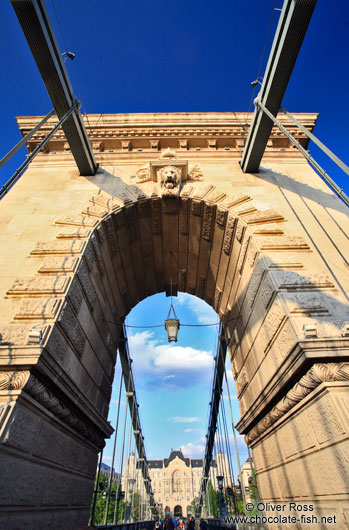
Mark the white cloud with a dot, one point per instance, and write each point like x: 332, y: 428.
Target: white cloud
x: 240, y: 439
x: 184, y: 419
x: 194, y: 430
x: 204, y: 313
x: 168, y: 365
x: 107, y: 458
x: 192, y: 450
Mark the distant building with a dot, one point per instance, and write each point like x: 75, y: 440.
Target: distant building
x: 245, y: 478
x: 106, y: 469
x: 175, y: 480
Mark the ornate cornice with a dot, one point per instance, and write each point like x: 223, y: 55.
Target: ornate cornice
x: 318, y: 373
x: 24, y: 380
x: 154, y: 132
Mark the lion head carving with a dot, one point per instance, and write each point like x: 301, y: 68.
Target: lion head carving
x: 169, y: 179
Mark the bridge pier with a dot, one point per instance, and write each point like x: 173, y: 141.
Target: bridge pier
x: 80, y: 252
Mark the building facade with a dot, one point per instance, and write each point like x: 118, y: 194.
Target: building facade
x: 175, y: 480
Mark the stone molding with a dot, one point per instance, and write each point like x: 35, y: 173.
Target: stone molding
x: 14, y: 380
x: 113, y: 133
x: 24, y: 380
x: 317, y: 374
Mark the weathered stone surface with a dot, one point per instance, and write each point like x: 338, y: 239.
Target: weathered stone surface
x: 58, y: 265
x: 234, y: 240
x: 39, y: 285
x: 38, y: 309
x: 60, y: 246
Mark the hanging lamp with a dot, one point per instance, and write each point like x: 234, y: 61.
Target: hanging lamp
x: 172, y: 324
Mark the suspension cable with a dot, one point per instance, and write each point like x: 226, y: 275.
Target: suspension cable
x: 338, y: 191
x: 95, y: 493
x: 25, y: 139
x: 234, y: 435
x: 5, y: 188
x: 230, y: 461
x: 121, y: 463
x: 114, y: 448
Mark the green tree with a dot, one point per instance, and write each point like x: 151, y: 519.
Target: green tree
x: 212, y: 500
x: 101, y: 502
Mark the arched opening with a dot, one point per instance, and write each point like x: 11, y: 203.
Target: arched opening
x: 254, y: 273
x: 177, y: 512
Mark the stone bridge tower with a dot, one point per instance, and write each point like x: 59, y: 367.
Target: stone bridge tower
x: 170, y: 204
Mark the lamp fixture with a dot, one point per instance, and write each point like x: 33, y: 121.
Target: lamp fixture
x: 220, y: 481
x: 257, y: 81
x: 172, y: 324
x: 70, y: 55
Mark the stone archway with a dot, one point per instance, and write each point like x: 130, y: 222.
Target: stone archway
x: 266, y: 285
x: 177, y: 512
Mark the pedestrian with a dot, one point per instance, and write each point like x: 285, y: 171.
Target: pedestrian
x: 170, y: 525
x: 203, y: 524
x: 191, y: 524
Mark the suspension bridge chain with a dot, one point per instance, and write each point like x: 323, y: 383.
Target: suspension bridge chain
x: 213, y: 414
x: 218, y: 454
x: 132, y: 441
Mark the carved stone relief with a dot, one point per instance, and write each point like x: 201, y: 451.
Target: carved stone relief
x: 317, y: 374
x: 39, y: 285
x: 196, y: 173
x: 59, y: 247
x: 169, y: 181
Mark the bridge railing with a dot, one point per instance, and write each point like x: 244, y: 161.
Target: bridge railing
x: 138, y: 525
x: 217, y: 524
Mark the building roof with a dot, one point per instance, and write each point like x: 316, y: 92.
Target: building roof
x: 155, y: 463
x: 176, y: 454
x: 193, y: 462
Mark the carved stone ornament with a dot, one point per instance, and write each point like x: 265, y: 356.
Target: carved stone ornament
x: 318, y: 373
x: 47, y: 399
x: 143, y: 173
x: 169, y: 181
x: 196, y: 173
x: 169, y: 153
x: 14, y: 380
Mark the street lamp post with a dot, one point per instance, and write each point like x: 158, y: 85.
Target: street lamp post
x: 222, y: 509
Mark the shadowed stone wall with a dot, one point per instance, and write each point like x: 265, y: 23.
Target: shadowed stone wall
x: 266, y: 251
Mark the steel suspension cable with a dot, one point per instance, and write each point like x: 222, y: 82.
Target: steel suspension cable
x: 121, y: 461
x: 230, y: 461
x: 95, y: 493
x: 114, y: 448
x: 225, y: 474
x: 234, y: 435
x: 225, y: 460
x: 6, y: 187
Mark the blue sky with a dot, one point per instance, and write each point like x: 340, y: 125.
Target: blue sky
x: 173, y: 381
x: 184, y: 55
